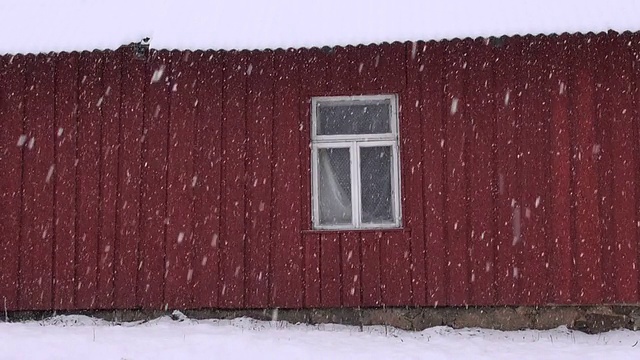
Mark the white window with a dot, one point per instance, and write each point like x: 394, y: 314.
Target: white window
x: 355, y: 164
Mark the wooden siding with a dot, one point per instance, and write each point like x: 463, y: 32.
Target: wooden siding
x: 183, y: 180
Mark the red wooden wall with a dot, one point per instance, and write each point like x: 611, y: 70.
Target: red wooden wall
x: 183, y: 180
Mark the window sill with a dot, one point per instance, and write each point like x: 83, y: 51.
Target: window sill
x: 365, y: 230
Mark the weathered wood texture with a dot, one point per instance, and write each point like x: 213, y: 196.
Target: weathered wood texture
x: 182, y: 180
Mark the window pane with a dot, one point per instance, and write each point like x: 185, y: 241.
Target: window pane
x: 375, y: 173
x: 334, y: 186
x: 371, y: 117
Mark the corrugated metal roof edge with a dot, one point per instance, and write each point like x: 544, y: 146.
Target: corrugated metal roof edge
x: 610, y: 33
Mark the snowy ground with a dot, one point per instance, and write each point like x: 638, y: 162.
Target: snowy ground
x: 80, y: 337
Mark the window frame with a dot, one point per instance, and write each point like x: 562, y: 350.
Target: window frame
x: 354, y: 142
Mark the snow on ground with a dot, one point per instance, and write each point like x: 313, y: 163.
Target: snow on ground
x: 80, y: 337
x: 44, y: 25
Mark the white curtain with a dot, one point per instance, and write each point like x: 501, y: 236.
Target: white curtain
x: 335, y: 199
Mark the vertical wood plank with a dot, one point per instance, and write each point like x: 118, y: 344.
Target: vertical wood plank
x: 395, y: 267
x: 89, y: 175
x: 313, y: 82
x: 507, y: 203
x: 259, y: 182
x: 179, y: 239
x: 207, y: 169
x: 367, y: 58
x: 26, y: 280
x: 110, y: 106
x: 518, y: 207
x: 587, y: 243
x: 561, y: 263
x: 480, y: 112
x: 233, y: 180
x: 39, y: 168
x: 602, y: 158
x: 66, y: 106
x: 351, y: 265
x: 526, y: 170
x: 288, y: 261
x: 152, y: 270
x: 129, y: 180
x: 391, y: 67
x: 534, y: 158
x: 312, y: 277
x: 456, y: 187
x: 342, y: 71
x: 330, y: 269
x: 433, y: 157
x: 411, y: 160
x: 12, y: 141
x: 624, y: 165
x: 371, y: 271
x: 635, y: 51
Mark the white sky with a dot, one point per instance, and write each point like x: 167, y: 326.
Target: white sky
x: 45, y: 25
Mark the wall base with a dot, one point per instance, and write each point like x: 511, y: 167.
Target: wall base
x: 589, y: 319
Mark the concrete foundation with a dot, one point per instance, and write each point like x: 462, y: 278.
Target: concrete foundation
x: 589, y: 319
